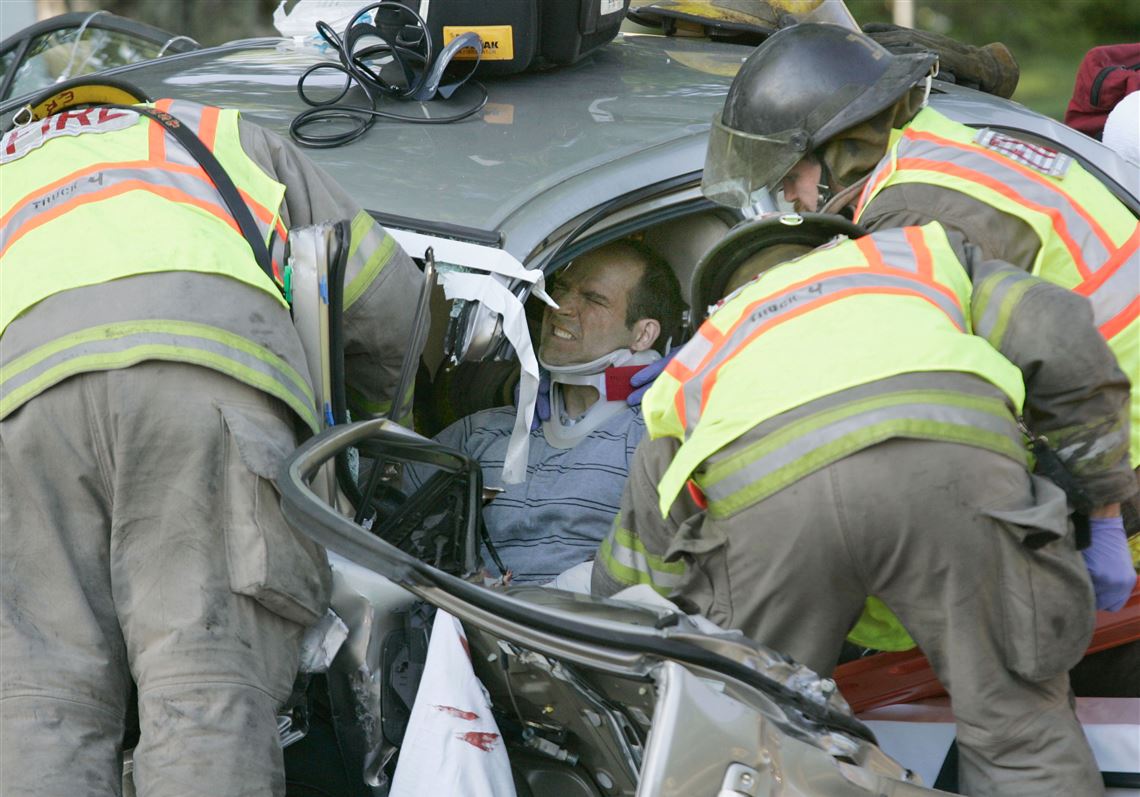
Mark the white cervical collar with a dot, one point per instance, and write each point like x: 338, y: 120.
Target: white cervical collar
x: 561, y: 434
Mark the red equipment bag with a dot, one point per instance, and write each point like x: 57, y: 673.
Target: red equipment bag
x: 1106, y: 76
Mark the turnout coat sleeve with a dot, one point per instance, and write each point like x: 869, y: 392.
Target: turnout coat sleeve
x: 1075, y: 392
x: 382, y: 282
x: 999, y: 235
x: 637, y: 548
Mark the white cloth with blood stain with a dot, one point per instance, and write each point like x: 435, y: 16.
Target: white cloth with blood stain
x: 452, y: 745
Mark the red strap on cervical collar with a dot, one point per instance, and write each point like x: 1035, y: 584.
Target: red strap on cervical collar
x: 618, y: 387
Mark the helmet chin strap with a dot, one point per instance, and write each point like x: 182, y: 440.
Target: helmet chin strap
x: 933, y: 73
x: 825, y: 184
x: 561, y: 433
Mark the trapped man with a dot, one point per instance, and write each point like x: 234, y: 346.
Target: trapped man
x: 615, y: 304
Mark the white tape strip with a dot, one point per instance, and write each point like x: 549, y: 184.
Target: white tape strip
x: 494, y: 296
x: 474, y: 256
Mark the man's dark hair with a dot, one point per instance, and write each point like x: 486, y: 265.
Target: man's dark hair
x: 656, y: 295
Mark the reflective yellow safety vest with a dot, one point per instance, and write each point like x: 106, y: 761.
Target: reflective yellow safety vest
x: 155, y: 210
x: 887, y: 304
x: 1090, y: 242
x: 891, y: 303
x: 117, y: 172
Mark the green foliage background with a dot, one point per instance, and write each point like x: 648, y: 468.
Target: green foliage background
x: 208, y: 22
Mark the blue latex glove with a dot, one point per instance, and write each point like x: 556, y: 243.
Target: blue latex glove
x: 643, y: 379
x: 1110, y: 563
x: 541, y: 402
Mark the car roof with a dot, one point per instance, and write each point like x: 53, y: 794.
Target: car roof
x: 548, y: 147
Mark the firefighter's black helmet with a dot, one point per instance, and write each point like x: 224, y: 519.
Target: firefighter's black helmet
x: 711, y: 278
x: 796, y: 91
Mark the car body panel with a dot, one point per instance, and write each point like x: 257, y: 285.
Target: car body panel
x: 547, y: 148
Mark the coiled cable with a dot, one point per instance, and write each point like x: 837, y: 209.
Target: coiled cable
x: 399, y: 36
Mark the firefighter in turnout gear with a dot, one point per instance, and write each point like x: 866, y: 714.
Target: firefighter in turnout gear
x: 151, y: 385
x: 839, y: 123
x: 846, y: 425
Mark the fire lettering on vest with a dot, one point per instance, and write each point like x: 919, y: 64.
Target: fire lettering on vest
x: 83, y: 117
x: 22, y: 140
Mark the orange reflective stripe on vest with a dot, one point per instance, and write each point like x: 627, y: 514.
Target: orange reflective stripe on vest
x: 203, y: 120
x: 910, y: 274
x: 1112, y: 290
x: 1086, y: 241
x: 184, y: 184
x: 170, y: 173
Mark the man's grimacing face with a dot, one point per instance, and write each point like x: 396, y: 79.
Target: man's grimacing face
x: 593, y: 294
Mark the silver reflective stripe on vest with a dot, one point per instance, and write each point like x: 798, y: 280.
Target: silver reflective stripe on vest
x: 190, y: 115
x: 693, y: 353
x: 894, y: 249
x: 1088, y: 245
x: 804, y: 446
x: 231, y: 324
x: 994, y: 300
x: 996, y: 295
x: 624, y: 557
x: 772, y: 308
x: 111, y: 182
x: 370, y: 250
x: 124, y: 344
x: 1115, y: 294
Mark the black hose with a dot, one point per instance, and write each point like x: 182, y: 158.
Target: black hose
x: 412, y: 57
x: 339, y: 399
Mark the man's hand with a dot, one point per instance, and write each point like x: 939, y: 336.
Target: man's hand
x: 1109, y: 562
x: 643, y: 379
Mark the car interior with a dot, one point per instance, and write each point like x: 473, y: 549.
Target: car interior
x: 447, y: 391
x: 430, y: 526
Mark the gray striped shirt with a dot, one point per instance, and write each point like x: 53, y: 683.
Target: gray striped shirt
x: 559, y: 515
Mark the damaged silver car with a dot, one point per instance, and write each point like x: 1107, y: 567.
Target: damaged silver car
x: 591, y: 697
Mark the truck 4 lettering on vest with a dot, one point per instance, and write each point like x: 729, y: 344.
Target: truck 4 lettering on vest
x: 809, y: 291
x: 22, y: 140
x: 65, y: 191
